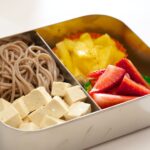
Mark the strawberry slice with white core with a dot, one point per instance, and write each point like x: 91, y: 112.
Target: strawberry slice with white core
x: 96, y: 74
x: 107, y: 100
x: 109, y: 79
x: 130, y: 87
x: 132, y: 71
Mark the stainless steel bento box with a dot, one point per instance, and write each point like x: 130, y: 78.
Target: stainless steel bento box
x: 100, y: 125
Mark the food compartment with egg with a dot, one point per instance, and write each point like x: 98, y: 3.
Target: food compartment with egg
x: 34, y: 92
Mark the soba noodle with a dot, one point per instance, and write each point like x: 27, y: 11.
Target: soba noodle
x: 23, y: 68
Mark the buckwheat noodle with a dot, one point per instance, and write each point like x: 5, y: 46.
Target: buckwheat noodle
x: 23, y: 68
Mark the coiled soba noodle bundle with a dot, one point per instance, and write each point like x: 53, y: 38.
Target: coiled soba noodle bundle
x: 23, y: 68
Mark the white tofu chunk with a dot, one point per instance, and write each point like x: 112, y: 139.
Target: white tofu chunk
x: 10, y: 116
x: 59, y: 88
x: 49, y: 120
x: 78, y: 109
x: 30, y: 126
x: 74, y: 94
x: 21, y: 107
x: 57, y: 107
x: 37, y: 116
x: 3, y: 104
x: 37, y: 98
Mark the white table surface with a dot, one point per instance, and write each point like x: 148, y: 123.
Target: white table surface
x: 22, y: 15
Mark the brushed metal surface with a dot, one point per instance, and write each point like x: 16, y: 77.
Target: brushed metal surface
x: 82, y: 133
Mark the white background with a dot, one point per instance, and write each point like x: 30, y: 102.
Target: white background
x: 23, y: 15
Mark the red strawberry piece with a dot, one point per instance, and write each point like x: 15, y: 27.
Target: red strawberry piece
x: 109, y: 79
x: 107, y: 100
x: 114, y: 89
x: 93, y: 81
x: 127, y: 75
x: 130, y: 87
x: 96, y: 74
x: 132, y: 71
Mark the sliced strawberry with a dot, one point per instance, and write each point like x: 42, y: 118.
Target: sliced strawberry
x: 110, y: 78
x: 113, y: 90
x: 96, y: 74
x: 93, y: 81
x: 107, y: 100
x: 93, y: 76
x: 132, y: 71
x: 130, y: 87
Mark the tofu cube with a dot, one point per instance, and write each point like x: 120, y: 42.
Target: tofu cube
x: 49, y: 120
x: 57, y: 107
x: 21, y: 107
x: 78, y: 109
x: 59, y: 88
x: 10, y: 116
x: 30, y: 126
x: 37, y: 116
x: 74, y: 94
x: 37, y: 98
x: 3, y: 104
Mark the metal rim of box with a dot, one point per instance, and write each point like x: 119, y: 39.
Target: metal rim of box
x: 97, y: 111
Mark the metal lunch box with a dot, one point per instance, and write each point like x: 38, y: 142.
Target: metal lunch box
x: 100, y: 125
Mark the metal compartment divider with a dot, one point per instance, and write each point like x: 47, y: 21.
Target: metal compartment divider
x: 66, y: 73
